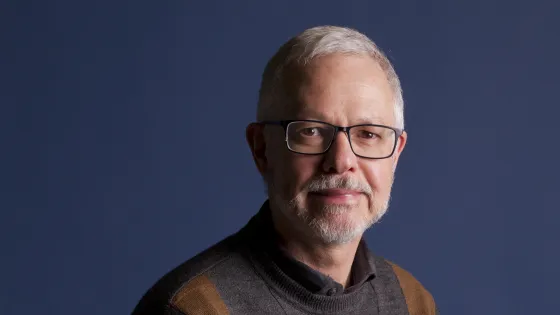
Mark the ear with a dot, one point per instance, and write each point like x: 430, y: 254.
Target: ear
x: 401, y: 143
x: 254, y: 135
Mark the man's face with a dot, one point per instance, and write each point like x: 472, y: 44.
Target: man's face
x: 336, y: 196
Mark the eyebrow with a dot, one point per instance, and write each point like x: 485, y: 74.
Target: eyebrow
x: 373, y: 119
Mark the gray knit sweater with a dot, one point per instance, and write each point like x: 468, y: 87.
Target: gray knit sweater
x: 238, y: 276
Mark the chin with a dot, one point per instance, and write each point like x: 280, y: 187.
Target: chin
x: 337, y: 224
x: 336, y: 234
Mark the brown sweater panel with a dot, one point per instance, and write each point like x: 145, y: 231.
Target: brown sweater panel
x: 418, y: 299
x: 199, y: 297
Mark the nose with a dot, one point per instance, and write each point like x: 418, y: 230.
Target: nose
x: 340, y: 158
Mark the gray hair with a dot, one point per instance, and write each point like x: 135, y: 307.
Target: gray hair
x: 316, y: 42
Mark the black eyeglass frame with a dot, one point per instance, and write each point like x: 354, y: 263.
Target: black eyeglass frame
x: 337, y: 129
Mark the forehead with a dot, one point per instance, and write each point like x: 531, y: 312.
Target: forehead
x: 342, y: 89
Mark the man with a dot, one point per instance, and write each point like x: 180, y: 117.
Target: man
x: 327, y: 140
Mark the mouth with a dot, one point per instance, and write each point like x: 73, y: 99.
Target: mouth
x: 336, y: 195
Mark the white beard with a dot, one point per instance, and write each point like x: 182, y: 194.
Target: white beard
x: 329, y: 225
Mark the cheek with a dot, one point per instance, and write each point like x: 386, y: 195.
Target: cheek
x: 379, y: 175
x: 303, y: 169
x: 292, y: 171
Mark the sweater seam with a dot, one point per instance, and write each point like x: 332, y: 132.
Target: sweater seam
x: 400, y: 285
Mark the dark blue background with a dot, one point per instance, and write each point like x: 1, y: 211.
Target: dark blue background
x: 123, y: 150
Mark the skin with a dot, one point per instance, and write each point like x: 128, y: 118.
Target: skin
x: 342, y: 90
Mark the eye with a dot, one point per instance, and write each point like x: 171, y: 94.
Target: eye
x: 367, y: 134
x: 313, y: 131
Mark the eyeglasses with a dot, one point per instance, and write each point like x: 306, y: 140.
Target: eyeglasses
x: 313, y: 137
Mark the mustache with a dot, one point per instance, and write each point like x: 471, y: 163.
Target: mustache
x: 324, y: 182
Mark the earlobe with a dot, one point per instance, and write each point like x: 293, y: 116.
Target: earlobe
x: 255, y: 138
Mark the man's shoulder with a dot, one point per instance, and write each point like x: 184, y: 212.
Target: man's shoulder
x: 418, y: 298
x: 191, y: 279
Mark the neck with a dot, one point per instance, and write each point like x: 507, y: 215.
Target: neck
x: 334, y: 260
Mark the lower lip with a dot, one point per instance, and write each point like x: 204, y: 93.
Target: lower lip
x: 335, y: 198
